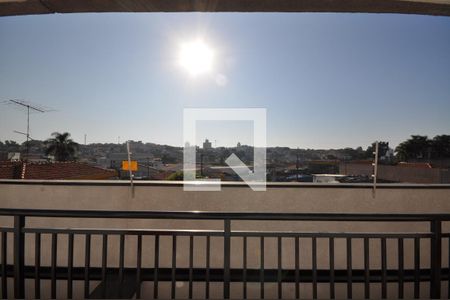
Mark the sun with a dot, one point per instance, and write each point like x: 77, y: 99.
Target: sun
x: 196, y: 57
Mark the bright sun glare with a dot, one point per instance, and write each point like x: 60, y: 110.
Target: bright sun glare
x: 196, y: 57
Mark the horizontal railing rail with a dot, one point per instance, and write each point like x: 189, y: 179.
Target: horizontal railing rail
x: 195, y: 215
x: 123, y: 281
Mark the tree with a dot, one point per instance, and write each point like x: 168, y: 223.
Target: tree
x: 12, y: 146
x: 351, y: 154
x: 178, y: 175
x: 35, y: 146
x: 417, y: 147
x: 383, y: 148
x: 167, y: 158
x: 61, y: 146
x: 441, y: 146
x: 402, y: 153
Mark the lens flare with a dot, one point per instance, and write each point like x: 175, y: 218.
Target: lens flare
x: 196, y: 57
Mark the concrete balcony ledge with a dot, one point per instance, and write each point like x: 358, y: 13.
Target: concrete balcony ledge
x: 233, y: 197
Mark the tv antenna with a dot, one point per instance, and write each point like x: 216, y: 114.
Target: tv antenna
x: 29, y: 107
x: 23, y: 133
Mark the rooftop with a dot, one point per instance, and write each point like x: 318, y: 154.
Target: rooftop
x: 53, y: 170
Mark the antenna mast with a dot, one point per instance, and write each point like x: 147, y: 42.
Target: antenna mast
x: 29, y: 107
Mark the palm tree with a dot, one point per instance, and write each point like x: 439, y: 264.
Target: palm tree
x: 61, y: 146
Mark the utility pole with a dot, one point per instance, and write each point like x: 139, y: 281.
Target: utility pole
x: 85, y: 139
x: 375, y: 169
x: 297, y: 164
x: 129, y: 168
x: 28, y: 130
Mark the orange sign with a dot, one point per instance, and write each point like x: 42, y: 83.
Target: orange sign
x: 126, y: 166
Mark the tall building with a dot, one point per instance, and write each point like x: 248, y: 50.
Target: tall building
x: 207, y: 144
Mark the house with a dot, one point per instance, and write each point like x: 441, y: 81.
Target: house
x: 405, y: 172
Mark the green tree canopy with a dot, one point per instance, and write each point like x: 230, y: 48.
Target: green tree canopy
x: 178, y: 175
x: 417, y: 147
x: 12, y: 146
x: 440, y: 145
x: 383, y: 148
x: 61, y: 146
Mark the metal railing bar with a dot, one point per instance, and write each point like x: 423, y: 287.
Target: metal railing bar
x: 349, y: 268
x: 331, y: 259
x: 366, y: 269
x: 4, y: 264
x: 297, y: 266
x: 392, y: 235
x: 19, y: 257
x: 191, y: 265
x: 224, y: 215
x: 436, y: 259
x: 156, y: 267
x: 314, y: 267
x: 207, y: 271
x: 108, y: 231
x: 416, y: 268
x: 174, y: 265
x: 216, y: 274
x: 87, y: 262
x: 104, y: 262
x: 121, y: 257
x: 69, y: 265
x: 400, y: 268
x: 238, y: 233
x: 383, y: 269
x: 244, y: 267
x: 261, y: 270
x: 226, y: 257
x: 279, y: 259
x: 53, y: 264
x: 138, y: 266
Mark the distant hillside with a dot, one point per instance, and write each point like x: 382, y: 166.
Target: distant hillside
x: 171, y: 154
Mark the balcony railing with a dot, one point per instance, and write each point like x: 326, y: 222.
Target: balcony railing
x: 125, y: 281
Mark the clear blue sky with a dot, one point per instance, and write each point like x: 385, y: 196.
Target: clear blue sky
x: 327, y: 80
